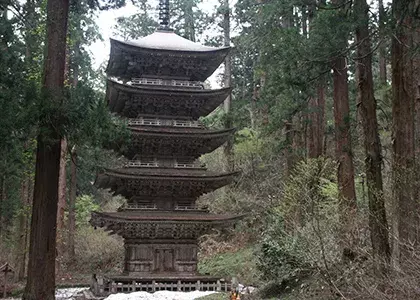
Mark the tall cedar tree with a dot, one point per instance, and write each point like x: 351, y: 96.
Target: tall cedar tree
x: 62, y: 200
x: 27, y: 178
x: 373, y: 159
x: 316, y: 126
x: 343, y: 147
x: 227, y: 83
x: 73, y: 157
x: 42, y: 250
x: 405, y: 207
x: 72, y: 205
x: 382, y: 46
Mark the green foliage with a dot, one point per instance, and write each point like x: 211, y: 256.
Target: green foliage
x: 301, y: 234
x: 247, y: 144
x: 187, y: 19
x: 137, y: 25
x: 240, y: 264
x: 312, y: 188
x: 18, y: 95
x: 84, y: 206
x: 96, y: 251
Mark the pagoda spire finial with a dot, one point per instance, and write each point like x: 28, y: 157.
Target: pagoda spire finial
x: 164, y: 15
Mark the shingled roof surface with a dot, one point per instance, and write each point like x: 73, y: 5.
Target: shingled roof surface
x: 168, y: 40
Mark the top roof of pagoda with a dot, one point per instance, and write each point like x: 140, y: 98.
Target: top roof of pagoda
x: 164, y: 55
x: 169, y: 40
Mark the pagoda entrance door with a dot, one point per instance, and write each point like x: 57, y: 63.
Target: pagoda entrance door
x: 164, y: 260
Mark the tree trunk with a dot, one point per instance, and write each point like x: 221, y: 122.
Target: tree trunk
x: 312, y: 128
x: 62, y: 187
x: 189, y: 21
x: 228, y: 149
x: 343, y: 147
x: 72, y: 203
x: 373, y: 159
x: 42, y: 249
x: 21, y: 239
x: 316, y: 124
x: 405, y: 220
x: 1, y: 206
x: 289, y: 153
x: 304, y: 21
x: 416, y: 87
x: 316, y: 131
x: 319, y: 146
x: 382, y: 46
x: 298, y: 143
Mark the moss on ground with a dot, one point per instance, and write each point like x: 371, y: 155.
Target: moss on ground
x: 218, y: 296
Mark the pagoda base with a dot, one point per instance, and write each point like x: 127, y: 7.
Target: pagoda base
x: 103, y: 286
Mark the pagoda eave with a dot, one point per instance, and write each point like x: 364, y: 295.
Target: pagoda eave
x: 129, y: 61
x: 172, y: 142
x: 131, y: 101
x: 161, y: 225
x: 158, y: 182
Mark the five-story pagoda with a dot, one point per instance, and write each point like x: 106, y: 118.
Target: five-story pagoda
x: 156, y: 82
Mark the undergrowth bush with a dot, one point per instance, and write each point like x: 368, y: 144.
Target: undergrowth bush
x: 96, y: 251
x: 240, y: 264
x: 301, y: 255
x: 301, y: 233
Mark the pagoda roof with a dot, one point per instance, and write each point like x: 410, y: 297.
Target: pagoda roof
x: 161, y: 224
x: 169, y: 40
x: 131, y: 101
x: 164, y: 55
x: 164, y: 182
x: 162, y: 141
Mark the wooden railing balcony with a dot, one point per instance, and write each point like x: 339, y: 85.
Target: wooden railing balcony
x: 186, y: 164
x: 164, y: 122
x: 190, y: 208
x: 138, y: 206
x: 140, y: 164
x: 171, y: 83
x: 168, y: 163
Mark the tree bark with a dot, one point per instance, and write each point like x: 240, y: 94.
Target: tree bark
x: 62, y: 200
x: 289, y: 153
x: 320, y: 120
x: 72, y: 203
x: 373, y: 159
x: 416, y: 87
x: 382, y: 46
x: 311, y: 137
x: 316, y: 130
x: 343, y: 147
x: 42, y: 250
x: 189, y: 21
x: 228, y: 149
x: 405, y: 219
x: 1, y: 206
x: 22, y: 230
